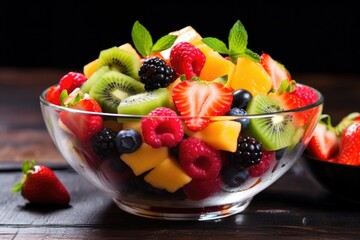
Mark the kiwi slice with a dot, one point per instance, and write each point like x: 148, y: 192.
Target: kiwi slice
x: 111, y: 87
x: 121, y: 60
x: 274, y: 132
x: 143, y: 103
x: 86, y: 86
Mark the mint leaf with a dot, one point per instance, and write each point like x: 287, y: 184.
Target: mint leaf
x: 142, y: 39
x: 238, y: 38
x: 163, y: 43
x: 252, y: 55
x: 216, y: 45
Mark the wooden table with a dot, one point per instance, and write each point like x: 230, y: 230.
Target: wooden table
x: 294, y: 207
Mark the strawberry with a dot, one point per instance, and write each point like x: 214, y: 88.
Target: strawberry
x: 40, y: 185
x: 84, y: 126
x: 53, y: 95
x: 349, y: 149
x: 72, y: 80
x: 199, y: 100
x: 276, y: 70
x: 324, y: 143
x: 295, y: 96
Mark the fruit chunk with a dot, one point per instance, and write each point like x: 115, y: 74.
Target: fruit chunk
x: 349, y: 149
x: 274, y: 132
x: 83, y: 126
x: 145, y: 158
x: 143, y: 103
x: 276, y: 70
x: 215, y: 65
x: 168, y: 175
x: 199, y: 100
x: 324, y: 143
x: 226, y: 133
x: 112, y: 87
x: 186, y: 34
x: 250, y: 75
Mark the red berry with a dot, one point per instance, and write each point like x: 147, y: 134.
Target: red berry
x: 264, y: 164
x: 72, y: 80
x: 40, y: 185
x: 53, y: 95
x: 306, y: 93
x: 187, y: 59
x: 82, y: 125
x: 200, y: 189
x: 164, y: 130
x: 198, y: 159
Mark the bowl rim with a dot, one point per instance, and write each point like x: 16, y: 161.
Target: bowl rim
x: 308, y: 157
x: 315, y: 104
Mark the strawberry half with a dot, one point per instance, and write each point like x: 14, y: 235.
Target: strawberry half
x: 324, y: 143
x: 276, y: 70
x: 349, y: 150
x: 84, y: 126
x: 40, y: 185
x: 199, y: 100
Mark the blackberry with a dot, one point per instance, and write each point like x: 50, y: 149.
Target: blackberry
x: 154, y: 74
x: 248, y: 152
x: 103, y: 143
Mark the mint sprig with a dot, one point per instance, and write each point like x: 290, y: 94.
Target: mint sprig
x: 143, y: 41
x: 237, y: 44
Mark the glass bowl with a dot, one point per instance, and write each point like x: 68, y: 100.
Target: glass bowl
x: 339, y: 179
x: 154, y: 183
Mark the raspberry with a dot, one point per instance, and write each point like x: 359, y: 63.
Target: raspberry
x: 200, y: 189
x: 103, y: 143
x: 72, y: 80
x: 165, y: 130
x: 198, y: 159
x: 154, y: 73
x: 248, y: 152
x: 187, y: 59
x: 264, y: 164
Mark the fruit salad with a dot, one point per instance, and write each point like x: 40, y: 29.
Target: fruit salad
x: 176, y: 118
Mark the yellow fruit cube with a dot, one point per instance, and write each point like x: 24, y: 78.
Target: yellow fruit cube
x: 145, y: 158
x: 168, y: 175
x: 215, y: 65
x: 90, y: 68
x: 250, y: 75
x: 221, y: 135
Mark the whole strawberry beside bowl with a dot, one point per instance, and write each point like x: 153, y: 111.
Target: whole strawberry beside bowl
x: 333, y: 156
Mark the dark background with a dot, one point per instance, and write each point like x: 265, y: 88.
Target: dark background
x: 305, y: 36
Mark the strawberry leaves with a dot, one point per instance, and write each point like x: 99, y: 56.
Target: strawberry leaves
x: 143, y: 41
x: 237, y: 41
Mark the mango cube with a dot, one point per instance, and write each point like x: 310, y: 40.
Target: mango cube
x: 168, y: 175
x: 221, y: 135
x: 145, y: 158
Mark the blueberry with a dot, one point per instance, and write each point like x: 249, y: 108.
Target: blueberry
x: 128, y: 141
x: 239, y: 112
x: 241, y: 98
x: 234, y: 177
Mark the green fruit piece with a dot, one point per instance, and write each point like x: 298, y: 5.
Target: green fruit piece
x: 86, y: 86
x: 111, y: 87
x: 121, y: 60
x: 143, y: 103
x: 275, y: 131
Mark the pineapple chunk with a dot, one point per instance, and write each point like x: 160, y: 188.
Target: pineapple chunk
x: 145, y: 158
x: 250, y: 75
x: 221, y: 135
x: 168, y: 175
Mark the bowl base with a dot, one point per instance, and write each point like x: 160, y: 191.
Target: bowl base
x: 184, y: 214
